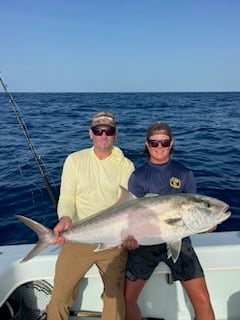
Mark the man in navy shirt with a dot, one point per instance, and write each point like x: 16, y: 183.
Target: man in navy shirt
x: 162, y: 175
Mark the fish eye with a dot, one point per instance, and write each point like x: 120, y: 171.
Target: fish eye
x: 207, y: 204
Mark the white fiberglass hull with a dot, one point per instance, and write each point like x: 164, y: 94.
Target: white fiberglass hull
x: 219, y: 254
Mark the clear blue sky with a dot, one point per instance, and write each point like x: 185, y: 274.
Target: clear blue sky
x: 117, y: 46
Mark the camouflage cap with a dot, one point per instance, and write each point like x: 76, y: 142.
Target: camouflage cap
x: 103, y: 118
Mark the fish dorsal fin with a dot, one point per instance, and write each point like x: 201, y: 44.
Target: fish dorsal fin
x: 125, y: 196
x: 173, y: 249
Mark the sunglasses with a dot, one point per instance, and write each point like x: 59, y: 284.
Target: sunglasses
x: 98, y: 131
x: 155, y: 143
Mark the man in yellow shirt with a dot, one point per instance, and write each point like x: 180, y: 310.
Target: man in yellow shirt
x: 90, y: 183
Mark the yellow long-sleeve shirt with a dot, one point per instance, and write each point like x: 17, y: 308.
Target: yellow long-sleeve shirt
x: 89, y: 185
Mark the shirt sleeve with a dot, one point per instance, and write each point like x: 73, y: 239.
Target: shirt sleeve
x: 190, y: 183
x: 66, y: 203
x: 134, y: 186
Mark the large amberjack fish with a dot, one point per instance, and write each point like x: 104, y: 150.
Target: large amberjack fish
x: 150, y: 220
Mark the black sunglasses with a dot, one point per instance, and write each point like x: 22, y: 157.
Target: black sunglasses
x: 98, y: 131
x: 155, y: 143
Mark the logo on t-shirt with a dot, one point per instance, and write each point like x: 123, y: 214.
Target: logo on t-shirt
x: 175, y: 182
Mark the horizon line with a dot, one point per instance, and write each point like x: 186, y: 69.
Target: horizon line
x: 107, y: 92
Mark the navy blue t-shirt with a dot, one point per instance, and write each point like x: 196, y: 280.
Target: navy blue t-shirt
x: 168, y: 178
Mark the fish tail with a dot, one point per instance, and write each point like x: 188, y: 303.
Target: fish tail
x: 45, y: 236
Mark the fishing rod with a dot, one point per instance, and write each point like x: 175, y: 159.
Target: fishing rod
x: 26, y: 135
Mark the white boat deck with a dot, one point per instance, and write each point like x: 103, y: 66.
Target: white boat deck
x: 219, y: 254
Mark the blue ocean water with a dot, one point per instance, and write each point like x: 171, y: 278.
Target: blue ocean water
x: 206, y: 128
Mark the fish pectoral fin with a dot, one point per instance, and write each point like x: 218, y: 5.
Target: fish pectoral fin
x: 101, y: 246
x: 173, y: 249
x: 174, y: 221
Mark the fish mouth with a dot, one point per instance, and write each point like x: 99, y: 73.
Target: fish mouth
x: 225, y: 211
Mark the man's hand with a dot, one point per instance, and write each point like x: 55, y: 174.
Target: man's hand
x: 63, y: 224
x: 130, y: 243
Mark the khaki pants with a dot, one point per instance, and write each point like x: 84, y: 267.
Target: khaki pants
x: 73, y: 262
